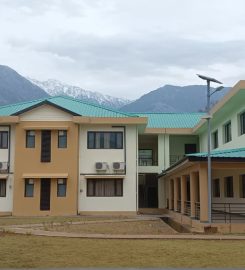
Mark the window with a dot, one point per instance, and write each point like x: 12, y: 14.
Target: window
x: 242, y: 186
x: 3, y: 139
x: 242, y: 123
x: 145, y: 157
x: 227, y: 132
x: 104, y: 187
x: 29, y: 187
x: 229, y: 187
x: 61, y: 187
x: 215, y: 140
x: 46, y: 146
x: 30, y: 139
x: 62, y: 139
x: 190, y: 148
x: 2, y: 188
x: 216, y: 188
x: 105, y: 140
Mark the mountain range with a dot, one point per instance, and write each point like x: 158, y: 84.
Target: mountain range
x: 192, y: 98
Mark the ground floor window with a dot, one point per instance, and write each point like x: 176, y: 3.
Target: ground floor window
x: 29, y: 187
x: 61, y: 187
x: 229, y: 187
x: 2, y: 188
x: 216, y: 188
x: 242, y: 186
x: 104, y: 187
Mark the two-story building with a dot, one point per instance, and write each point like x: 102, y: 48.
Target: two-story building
x: 61, y: 156
x: 187, y: 178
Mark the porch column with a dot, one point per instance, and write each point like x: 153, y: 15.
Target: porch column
x: 183, y: 192
x: 203, y: 187
x: 175, y: 194
x: 170, y: 196
x: 194, y: 191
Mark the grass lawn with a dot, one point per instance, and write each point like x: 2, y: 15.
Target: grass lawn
x: 34, y: 251
x: 130, y: 227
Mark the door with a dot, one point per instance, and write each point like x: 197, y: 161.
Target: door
x: 45, y: 195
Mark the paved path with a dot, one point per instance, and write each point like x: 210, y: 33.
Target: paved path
x: 121, y: 236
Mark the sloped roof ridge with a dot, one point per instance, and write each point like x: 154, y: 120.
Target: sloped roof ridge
x: 168, y: 112
x: 92, y: 104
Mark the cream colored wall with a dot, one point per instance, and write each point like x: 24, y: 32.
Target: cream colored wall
x: 87, y: 159
x: 177, y: 143
x: 46, y: 113
x: 221, y: 174
x: 4, y: 153
x: 237, y: 139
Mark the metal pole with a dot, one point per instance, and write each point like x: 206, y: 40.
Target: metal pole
x: 209, y: 156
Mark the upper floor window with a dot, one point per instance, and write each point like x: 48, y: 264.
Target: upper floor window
x: 227, y: 132
x: 3, y: 139
x: 62, y: 139
x: 46, y: 146
x: 30, y: 139
x: 215, y: 139
x: 242, y: 123
x: 229, y: 193
x: 105, y: 140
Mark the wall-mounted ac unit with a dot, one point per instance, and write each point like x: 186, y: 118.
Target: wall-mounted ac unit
x: 101, y: 166
x: 3, y: 166
x: 118, y: 166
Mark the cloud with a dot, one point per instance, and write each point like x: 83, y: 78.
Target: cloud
x: 123, y: 46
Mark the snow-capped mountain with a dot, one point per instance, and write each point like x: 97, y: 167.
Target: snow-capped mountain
x: 55, y: 88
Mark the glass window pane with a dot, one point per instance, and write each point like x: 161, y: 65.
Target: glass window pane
x: 91, y: 140
x: 2, y: 188
x: 29, y: 189
x: 119, y: 140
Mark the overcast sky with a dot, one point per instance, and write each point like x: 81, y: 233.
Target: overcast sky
x: 124, y: 48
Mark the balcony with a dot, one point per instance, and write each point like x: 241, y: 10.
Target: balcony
x: 144, y: 161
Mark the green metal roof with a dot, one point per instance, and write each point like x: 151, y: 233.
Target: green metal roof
x: 172, y: 120
x: 228, y: 153
x: 75, y: 106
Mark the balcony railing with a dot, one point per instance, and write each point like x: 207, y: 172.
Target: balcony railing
x: 147, y: 162
x: 4, y: 167
x: 197, y: 210
x: 228, y: 212
x: 178, y: 206
x: 187, y: 208
x: 174, y: 158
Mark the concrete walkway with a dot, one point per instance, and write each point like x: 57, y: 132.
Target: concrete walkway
x: 37, y: 232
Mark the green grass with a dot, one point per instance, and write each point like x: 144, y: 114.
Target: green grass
x: 33, y: 251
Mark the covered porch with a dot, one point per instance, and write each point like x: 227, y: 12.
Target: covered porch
x: 187, y: 188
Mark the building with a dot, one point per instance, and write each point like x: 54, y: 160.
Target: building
x: 61, y: 156
x: 186, y: 180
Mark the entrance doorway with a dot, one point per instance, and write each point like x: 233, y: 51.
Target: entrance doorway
x: 148, y: 190
x: 45, y: 194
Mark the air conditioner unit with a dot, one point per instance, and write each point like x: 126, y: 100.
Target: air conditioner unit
x: 118, y: 166
x: 101, y: 166
x: 3, y: 166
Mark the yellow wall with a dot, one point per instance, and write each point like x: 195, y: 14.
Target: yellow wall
x: 27, y: 161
